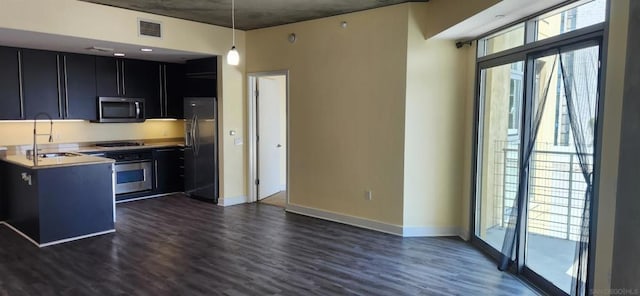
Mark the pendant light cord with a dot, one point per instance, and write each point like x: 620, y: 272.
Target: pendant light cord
x: 233, y: 21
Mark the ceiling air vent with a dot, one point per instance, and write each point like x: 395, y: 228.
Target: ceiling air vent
x: 150, y: 28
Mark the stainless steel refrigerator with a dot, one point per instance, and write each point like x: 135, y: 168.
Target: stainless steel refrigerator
x: 201, y: 148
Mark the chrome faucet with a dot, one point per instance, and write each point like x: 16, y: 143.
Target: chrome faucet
x: 34, y: 152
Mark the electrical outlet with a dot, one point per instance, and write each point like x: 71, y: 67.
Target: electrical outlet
x: 368, y: 195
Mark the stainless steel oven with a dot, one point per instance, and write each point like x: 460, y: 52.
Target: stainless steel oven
x: 133, y: 176
x: 133, y: 170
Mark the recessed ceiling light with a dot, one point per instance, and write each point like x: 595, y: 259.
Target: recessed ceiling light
x: 118, y: 54
x: 146, y: 49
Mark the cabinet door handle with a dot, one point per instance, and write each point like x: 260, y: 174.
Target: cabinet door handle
x: 124, y: 89
x: 166, y: 94
x: 118, y: 76
x: 160, y: 89
x: 59, y: 85
x: 155, y: 170
x: 20, y: 88
x: 66, y: 87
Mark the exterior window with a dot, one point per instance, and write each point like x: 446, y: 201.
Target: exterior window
x: 571, y: 18
x: 503, y: 40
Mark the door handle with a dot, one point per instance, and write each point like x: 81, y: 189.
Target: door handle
x: 196, y: 140
x: 278, y: 146
x: 137, y: 110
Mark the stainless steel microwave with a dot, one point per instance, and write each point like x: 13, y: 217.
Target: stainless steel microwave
x: 112, y: 109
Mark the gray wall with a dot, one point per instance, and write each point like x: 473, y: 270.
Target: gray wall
x: 626, y: 251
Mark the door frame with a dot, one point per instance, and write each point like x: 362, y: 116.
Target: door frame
x: 252, y: 132
x: 594, y: 35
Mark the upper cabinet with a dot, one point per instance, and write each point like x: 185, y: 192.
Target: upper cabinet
x: 66, y: 85
x: 79, y: 86
x: 141, y: 79
x: 173, y: 86
x: 10, y: 97
x: 136, y: 79
x: 108, y: 77
x: 41, y: 83
x: 201, y: 78
x: 34, y: 81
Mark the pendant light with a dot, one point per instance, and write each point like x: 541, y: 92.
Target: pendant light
x: 233, y: 57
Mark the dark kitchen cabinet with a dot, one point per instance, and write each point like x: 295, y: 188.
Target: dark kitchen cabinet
x: 80, y: 86
x: 131, y: 78
x: 201, y: 78
x: 167, y: 170
x: 142, y: 80
x: 62, y: 85
x: 10, y: 97
x: 59, y: 203
x: 41, y: 83
x: 204, y: 66
x: 174, y: 90
x: 108, y: 78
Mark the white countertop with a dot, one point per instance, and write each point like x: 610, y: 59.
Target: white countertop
x: 55, y: 162
x: 17, y: 154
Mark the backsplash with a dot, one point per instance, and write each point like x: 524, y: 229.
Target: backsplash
x: 21, y: 132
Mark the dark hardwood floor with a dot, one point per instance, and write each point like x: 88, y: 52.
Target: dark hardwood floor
x: 178, y: 246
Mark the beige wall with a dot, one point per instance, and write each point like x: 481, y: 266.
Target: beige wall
x: 615, y: 70
x: 347, y: 91
x: 434, y: 127
x: 443, y: 14
x: 100, y: 22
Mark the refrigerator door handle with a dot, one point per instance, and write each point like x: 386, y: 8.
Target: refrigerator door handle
x: 188, y: 137
x: 196, y: 140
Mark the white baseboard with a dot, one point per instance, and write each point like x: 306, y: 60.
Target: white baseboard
x: 145, y: 197
x: 55, y: 242
x: 346, y: 219
x: 464, y: 234
x: 232, y: 201
x: 404, y: 231
x: 420, y: 231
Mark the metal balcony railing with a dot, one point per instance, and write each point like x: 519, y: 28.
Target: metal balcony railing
x: 556, y: 190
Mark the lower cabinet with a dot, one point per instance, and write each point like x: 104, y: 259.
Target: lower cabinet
x: 167, y: 164
x: 50, y: 205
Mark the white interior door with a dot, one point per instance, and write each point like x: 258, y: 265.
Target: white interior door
x: 271, y: 135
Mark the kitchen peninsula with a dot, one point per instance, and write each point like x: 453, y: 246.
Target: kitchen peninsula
x: 64, y: 197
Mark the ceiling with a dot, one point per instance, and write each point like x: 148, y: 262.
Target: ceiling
x: 483, y: 22
x: 250, y: 14
x: 503, y: 13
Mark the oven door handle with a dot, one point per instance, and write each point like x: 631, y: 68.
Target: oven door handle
x: 133, y: 161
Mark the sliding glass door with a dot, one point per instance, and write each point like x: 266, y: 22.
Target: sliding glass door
x: 501, y: 93
x: 563, y: 150
x: 538, y: 96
